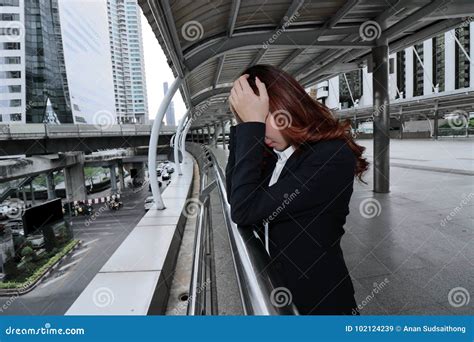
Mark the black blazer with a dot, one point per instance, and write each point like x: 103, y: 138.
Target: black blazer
x: 305, y: 209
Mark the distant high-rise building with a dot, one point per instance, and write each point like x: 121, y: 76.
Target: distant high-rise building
x: 170, y: 120
x: 32, y: 67
x: 128, y: 71
x: 85, y: 33
x: 440, y: 64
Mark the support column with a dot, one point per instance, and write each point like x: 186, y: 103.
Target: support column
x: 203, y: 137
x: 381, y: 119
x: 177, y: 142
x: 32, y: 192
x: 140, y: 171
x: 436, y: 123
x: 50, y: 185
x: 113, y: 179
x: 215, y: 135
x: 223, y: 134
x: 75, y: 182
x: 192, y: 136
x: 121, y: 176
x: 208, y: 134
x: 25, y: 199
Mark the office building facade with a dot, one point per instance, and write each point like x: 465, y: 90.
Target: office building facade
x: 128, y: 71
x: 32, y: 66
x: 436, y: 65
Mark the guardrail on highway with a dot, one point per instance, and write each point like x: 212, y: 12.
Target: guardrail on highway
x: 43, y: 131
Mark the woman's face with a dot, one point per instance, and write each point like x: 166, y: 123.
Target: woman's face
x: 273, y: 136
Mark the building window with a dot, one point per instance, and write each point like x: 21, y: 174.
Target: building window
x: 11, y: 46
x: 418, y: 70
x: 15, y: 3
x: 461, y: 60
x: 9, y: 17
x: 438, y: 62
x: 10, y: 74
x: 401, y: 67
x: 354, y: 78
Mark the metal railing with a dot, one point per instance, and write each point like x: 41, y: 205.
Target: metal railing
x: 257, y: 279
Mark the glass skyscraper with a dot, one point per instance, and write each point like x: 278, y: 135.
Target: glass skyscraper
x: 45, y: 70
x: 32, y: 63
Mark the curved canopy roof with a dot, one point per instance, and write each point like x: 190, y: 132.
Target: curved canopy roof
x: 209, y: 43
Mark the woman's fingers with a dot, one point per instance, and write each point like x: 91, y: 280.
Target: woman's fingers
x: 262, y: 89
x: 245, y: 84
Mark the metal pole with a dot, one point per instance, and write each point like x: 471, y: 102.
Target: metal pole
x: 176, y: 143
x: 152, y: 146
x: 381, y: 120
x: 223, y: 134
x: 183, y: 137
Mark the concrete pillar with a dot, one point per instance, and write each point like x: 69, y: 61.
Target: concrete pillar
x: 203, y: 137
x: 435, y: 123
x: 75, y: 182
x: 113, y: 178
x: 215, y: 135
x: 192, y: 136
x: 121, y: 176
x: 140, y: 167
x: 223, y: 134
x: 50, y: 185
x: 32, y: 193
x: 208, y: 134
x: 381, y: 119
x: 25, y: 199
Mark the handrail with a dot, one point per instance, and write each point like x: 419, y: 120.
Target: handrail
x: 258, y: 282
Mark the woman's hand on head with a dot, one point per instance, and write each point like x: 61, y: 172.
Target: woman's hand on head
x: 248, y: 105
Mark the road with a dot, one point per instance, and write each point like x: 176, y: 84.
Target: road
x: 101, y: 235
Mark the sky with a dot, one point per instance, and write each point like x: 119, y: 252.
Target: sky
x: 157, y: 71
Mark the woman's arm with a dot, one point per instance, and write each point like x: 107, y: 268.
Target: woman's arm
x: 322, y: 177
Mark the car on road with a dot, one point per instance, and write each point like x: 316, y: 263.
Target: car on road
x: 148, y: 203
x: 165, y: 176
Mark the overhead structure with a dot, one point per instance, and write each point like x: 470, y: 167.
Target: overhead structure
x: 209, y: 43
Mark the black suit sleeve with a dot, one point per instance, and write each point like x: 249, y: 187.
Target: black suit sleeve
x: 230, y: 162
x: 321, y: 178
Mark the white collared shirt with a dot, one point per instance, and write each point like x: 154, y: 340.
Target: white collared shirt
x: 282, y: 158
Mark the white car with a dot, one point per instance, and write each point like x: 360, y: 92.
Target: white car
x: 149, y: 202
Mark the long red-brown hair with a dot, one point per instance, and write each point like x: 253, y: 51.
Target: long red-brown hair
x: 302, y: 118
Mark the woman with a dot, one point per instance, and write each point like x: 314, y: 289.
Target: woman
x: 290, y: 175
